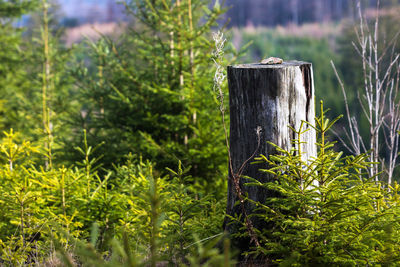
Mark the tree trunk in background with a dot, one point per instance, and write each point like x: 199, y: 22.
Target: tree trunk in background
x: 271, y: 97
x: 318, y: 11
x: 279, y: 12
x: 294, y: 4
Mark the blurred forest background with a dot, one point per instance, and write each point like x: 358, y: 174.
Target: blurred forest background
x: 317, y: 31
x: 275, y: 12
x: 311, y: 30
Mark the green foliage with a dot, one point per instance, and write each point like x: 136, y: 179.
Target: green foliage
x: 350, y: 63
x: 130, y: 100
x: 327, y: 212
x: 34, y: 79
x: 267, y: 43
x: 89, y: 199
x: 15, y: 8
x: 165, y: 212
x: 12, y: 75
x: 51, y: 83
x: 158, y: 216
x: 204, y: 255
x: 35, y: 200
x: 209, y: 255
x: 149, y: 91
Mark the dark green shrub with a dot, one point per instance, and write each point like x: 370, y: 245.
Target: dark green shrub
x: 328, y: 212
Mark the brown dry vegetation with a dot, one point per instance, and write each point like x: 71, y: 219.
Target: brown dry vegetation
x: 92, y: 31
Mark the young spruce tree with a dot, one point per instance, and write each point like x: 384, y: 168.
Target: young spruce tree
x: 149, y: 92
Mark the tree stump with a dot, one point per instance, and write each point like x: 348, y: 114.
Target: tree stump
x: 269, y: 98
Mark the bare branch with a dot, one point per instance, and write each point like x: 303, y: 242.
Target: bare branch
x: 343, y: 141
x: 363, y: 107
x: 352, y: 137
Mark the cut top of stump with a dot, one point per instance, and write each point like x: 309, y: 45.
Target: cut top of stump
x: 285, y: 64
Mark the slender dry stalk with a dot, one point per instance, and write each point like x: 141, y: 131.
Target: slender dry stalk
x: 46, y: 87
x: 191, y: 60
x: 219, y: 79
x: 180, y: 50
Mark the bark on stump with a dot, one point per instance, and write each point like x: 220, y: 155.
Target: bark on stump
x: 272, y: 97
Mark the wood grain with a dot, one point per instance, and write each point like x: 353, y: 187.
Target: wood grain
x: 272, y: 97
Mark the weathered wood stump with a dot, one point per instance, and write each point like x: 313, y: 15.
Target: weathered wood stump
x: 270, y: 98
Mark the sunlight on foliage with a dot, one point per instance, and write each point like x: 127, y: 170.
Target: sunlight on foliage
x: 327, y: 212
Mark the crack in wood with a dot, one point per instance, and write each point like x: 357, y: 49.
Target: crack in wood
x: 306, y: 71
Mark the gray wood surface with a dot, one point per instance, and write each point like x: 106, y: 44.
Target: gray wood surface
x: 271, y: 97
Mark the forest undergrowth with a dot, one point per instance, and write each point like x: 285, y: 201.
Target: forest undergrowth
x: 114, y: 152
